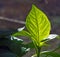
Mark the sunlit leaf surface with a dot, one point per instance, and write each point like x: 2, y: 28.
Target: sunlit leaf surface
x: 38, y: 25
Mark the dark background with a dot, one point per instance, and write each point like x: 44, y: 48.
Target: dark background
x: 18, y: 9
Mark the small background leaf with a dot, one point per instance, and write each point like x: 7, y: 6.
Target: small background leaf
x: 15, y: 45
x: 52, y: 36
x: 20, y: 29
x: 50, y: 54
x: 22, y: 33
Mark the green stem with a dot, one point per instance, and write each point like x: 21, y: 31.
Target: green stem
x: 38, y: 51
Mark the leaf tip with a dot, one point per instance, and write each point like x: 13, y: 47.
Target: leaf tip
x: 33, y: 6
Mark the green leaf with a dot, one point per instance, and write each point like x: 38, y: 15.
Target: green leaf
x: 16, y: 40
x: 17, y: 47
x: 20, y: 29
x: 22, y: 33
x: 38, y: 25
x: 50, y: 37
x: 48, y: 54
x: 30, y: 45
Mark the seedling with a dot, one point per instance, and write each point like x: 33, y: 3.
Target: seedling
x: 38, y: 30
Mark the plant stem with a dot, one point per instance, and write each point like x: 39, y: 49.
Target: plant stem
x: 38, y: 51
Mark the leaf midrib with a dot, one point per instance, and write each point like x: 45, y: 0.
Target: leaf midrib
x: 37, y: 27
